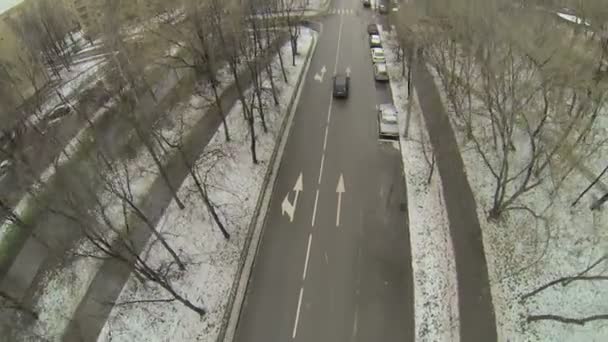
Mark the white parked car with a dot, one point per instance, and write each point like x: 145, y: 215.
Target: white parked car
x: 374, y: 41
x: 380, y: 72
x: 388, y: 126
x: 378, y: 55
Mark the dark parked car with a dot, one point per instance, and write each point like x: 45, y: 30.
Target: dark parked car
x: 367, y: 3
x: 372, y: 29
x: 341, y: 85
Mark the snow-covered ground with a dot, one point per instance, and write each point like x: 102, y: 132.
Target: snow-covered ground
x: 524, y: 252
x: 435, y: 285
x: 63, y: 289
x: 235, y: 185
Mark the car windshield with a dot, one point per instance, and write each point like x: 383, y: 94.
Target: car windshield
x: 340, y: 81
x: 389, y: 118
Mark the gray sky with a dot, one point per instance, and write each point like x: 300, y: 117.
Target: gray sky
x: 6, y: 4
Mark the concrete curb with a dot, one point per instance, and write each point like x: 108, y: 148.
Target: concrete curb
x: 252, y: 241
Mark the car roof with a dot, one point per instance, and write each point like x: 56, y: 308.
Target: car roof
x: 380, y: 66
x: 375, y: 36
x: 387, y: 108
x: 378, y: 49
x: 340, y: 78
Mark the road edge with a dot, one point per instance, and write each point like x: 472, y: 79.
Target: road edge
x: 237, y: 295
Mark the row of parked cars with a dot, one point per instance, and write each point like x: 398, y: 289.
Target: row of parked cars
x: 377, y: 53
x: 388, y: 126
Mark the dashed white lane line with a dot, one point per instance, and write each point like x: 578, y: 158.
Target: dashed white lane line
x: 325, y: 139
x: 307, y: 256
x: 355, y: 324
x: 321, y: 168
x: 295, y: 324
x: 314, y: 209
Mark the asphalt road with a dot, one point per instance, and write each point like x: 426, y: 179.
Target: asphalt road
x: 340, y: 270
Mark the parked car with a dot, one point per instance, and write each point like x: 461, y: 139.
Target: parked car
x: 367, y: 3
x: 374, y: 40
x: 5, y: 165
x: 341, y: 85
x: 380, y: 72
x: 378, y: 55
x: 383, y: 9
x: 372, y: 29
x: 388, y: 126
x: 56, y: 114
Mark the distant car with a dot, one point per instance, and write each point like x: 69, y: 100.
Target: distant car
x: 380, y: 72
x: 5, y: 165
x: 388, y: 126
x: 56, y: 114
x: 367, y: 3
x: 374, y: 40
x: 378, y: 55
x: 383, y: 9
x: 341, y: 85
x: 372, y: 29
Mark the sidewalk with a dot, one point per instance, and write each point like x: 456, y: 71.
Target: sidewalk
x: 92, y: 312
x: 476, y: 312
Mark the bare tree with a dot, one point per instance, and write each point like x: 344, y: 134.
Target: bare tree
x: 177, y: 142
x: 229, y: 29
x: 133, y: 80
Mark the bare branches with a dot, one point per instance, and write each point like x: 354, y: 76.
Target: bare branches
x: 566, y: 320
x: 564, y: 281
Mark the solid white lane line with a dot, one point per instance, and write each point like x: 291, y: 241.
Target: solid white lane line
x: 326, y: 259
x: 325, y: 139
x: 338, y: 45
x: 314, y: 209
x: 295, y: 324
x: 307, y: 256
x: 321, y: 168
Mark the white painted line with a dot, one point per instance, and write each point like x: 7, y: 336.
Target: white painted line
x: 314, y: 210
x: 340, y: 189
x: 325, y: 139
x: 321, y: 168
x: 295, y: 325
x: 326, y: 259
x: 355, y: 324
x: 307, y: 256
x: 338, y: 45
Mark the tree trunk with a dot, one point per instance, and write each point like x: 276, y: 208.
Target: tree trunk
x: 210, y: 207
x: 218, y: 104
x: 142, y: 216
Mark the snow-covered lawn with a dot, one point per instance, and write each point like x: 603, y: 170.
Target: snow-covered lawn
x: 524, y: 252
x: 435, y: 285
x: 63, y: 289
x: 213, y: 261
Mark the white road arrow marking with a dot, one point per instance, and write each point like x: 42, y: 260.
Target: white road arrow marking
x: 286, y: 206
x: 348, y: 71
x: 320, y: 77
x: 340, y: 190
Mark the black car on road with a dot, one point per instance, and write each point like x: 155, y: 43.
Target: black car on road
x: 341, y: 85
